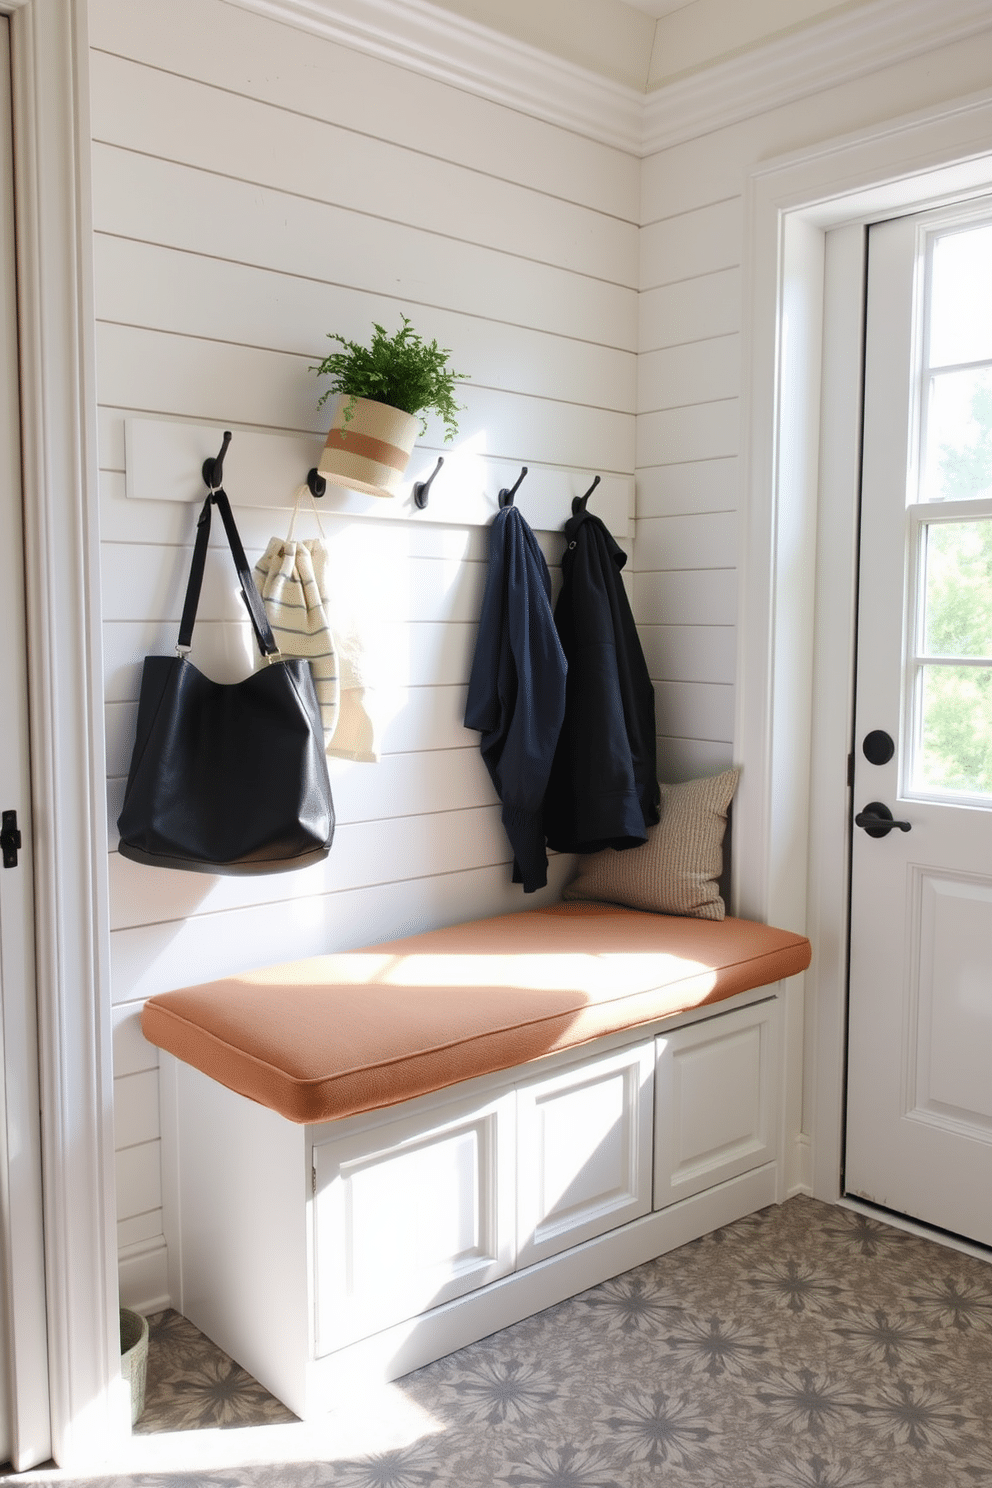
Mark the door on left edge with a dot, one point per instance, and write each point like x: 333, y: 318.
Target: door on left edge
x: 25, y: 1427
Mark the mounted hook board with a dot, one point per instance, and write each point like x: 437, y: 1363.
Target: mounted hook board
x: 164, y: 461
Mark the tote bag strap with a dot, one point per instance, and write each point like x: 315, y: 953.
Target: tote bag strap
x: 301, y: 495
x: 249, y: 590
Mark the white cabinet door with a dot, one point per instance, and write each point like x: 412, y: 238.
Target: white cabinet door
x: 584, y: 1152
x: 409, y: 1215
x: 717, y: 1101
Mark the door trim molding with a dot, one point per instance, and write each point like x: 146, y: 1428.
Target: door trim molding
x: 24, y: 1408
x: 794, y: 662
x: 50, y: 54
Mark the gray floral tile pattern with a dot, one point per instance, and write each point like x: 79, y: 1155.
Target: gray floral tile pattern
x: 191, y: 1383
x: 804, y: 1347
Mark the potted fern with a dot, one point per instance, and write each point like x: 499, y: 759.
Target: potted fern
x: 383, y: 392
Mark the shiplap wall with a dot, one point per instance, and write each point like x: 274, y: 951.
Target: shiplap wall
x: 254, y: 188
x: 685, y: 558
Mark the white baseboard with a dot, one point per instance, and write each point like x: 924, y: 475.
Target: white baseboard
x: 143, y: 1277
x: 802, y: 1167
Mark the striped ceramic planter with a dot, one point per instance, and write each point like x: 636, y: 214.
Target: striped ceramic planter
x: 372, y: 450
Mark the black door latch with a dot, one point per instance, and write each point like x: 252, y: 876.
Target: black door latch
x: 10, y: 839
x: 876, y: 820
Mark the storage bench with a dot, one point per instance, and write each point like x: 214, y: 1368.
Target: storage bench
x: 375, y: 1157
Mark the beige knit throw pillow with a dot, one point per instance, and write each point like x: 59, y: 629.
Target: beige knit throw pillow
x: 677, y: 871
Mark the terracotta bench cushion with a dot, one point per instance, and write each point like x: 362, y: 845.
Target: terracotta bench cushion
x: 335, y: 1035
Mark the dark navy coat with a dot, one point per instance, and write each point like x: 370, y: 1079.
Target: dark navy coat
x: 516, y: 692
x: 603, y: 787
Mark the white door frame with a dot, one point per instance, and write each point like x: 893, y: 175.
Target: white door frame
x: 50, y: 66
x: 26, y: 1438
x: 795, y: 673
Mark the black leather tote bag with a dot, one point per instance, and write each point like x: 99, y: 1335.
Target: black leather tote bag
x: 227, y: 778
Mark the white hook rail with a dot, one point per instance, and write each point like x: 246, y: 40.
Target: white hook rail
x: 164, y: 461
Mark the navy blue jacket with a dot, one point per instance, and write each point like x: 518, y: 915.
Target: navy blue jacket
x: 603, y: 787
x: 516, y: 693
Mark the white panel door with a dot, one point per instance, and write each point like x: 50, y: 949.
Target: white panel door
x: 919, y: 1113
x: 24, y: 1418
x: 717, y: 1101
x: 410, y: 1215
x: 584, y: 1152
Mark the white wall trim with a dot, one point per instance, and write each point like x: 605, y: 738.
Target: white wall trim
x: 144, y: 1277
x: 49, y: 42
x: 835, y: 51
x: 911, y: 163
x: 24, y: 1406
x: 425, y: 39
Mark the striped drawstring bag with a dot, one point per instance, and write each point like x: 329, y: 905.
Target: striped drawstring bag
x: 291, y: 577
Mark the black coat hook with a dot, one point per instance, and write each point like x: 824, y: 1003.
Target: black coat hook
x: 213, y: 466
x: 506, y: 496
x: 579, y: 502
x: 422, y: 489
x: 316, y: 482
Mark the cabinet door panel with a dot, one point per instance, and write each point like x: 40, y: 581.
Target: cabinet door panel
x: 584, y: 1152
x: 408, y: 1216
x: 717, y: 1101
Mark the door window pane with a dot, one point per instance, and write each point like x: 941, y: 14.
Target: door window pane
x: 955, y: 745
x: 957, y: 600
x: 961, y: 298
x: 953, y: 752
x: 958, y: 464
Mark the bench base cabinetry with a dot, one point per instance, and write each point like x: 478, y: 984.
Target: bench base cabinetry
x: 322, y: 1257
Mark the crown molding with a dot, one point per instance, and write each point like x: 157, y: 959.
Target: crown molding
x: 422, y: 38
x: 835, y: 51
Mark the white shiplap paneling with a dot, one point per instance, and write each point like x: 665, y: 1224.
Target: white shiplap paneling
x: 139, y: 1179
x: 400, y: 785
x: 198, y: 295
x: 692, y: 759
x: 155, y: 958
x: 695, y: 710
x: 174, y: 205
x: 705, y: 540
x: 136, y: 1108
x: 687, y: 454
x: 151, y: 372
x: 691, y: 310
x: 171, y: 118
x: 703, y: 241
x: 694, y: 596
x: 679, y: 435
x: 690, y: 653
x: 699, y: 486
x: 695, y: 372
x: 235, y: 226
x: 466, y: 838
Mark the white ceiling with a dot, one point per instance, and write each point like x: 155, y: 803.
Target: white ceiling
x: 658, y: 8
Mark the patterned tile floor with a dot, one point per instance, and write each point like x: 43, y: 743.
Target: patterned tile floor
x: 803, y: 1347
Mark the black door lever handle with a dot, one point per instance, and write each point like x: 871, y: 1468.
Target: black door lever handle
x: 876, y: 820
